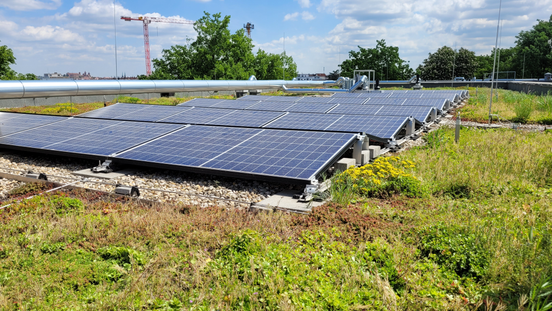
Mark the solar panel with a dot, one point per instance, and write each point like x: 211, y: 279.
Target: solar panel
x: 197, y: 115
x: 247, y: 118
x: 234, y: 104
x: 191, y: 146
x: 315, y: 100
x: 345, y: 94
x: 304, y: 121
x: 271, y: 106
x: 374, y: 94
x: 113, y: 111
x: 356, y: 109
x: 202, y: 102
x: 119, y: 136
x: 385, y: 101
x: 11, y: 123
x: 383, y: 127
x: 416, y: 94
x: 348, y: 100
x: 255, y: 97
x: 420, y: 113
x: 55, y: 132
x: 151, y: 113
x: 288, y: 154
x: 284, y: 98
x: 439, y: 103
x: 310, y: 107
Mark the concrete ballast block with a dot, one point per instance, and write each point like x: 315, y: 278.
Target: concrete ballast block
x: 343, y: 164
x: 366, y: 157
x: 374, y: 151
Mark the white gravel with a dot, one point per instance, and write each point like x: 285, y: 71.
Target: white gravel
x: 191, y: 189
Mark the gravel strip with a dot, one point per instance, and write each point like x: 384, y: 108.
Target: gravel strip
x: 187, y: 186
x: 7, y: 185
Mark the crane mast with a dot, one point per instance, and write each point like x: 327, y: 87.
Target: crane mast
x: 146, y: 20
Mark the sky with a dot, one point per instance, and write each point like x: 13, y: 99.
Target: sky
x: 76, y: 36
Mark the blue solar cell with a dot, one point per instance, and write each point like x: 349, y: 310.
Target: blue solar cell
x: 406, y: 94
x: 349, y: 100
x: 247, y: 118
x: 309, y: 99
x: 304, y: 121
x: 202, y: 102
x: 384, y: 127
x: 420, y: 113
x: 197, y: 116
x: 113, y: 111
x: 234, y: 104
x: 255, y: 97
x: 117, y: 137
x: 271, y: 106
x: 55, y: 132
x: 288, y: 154
x: 439, y: 103
x: 11, y: 123
x: 152, y: 113
x: 191, y: 146
x: 345, y: 94
x: 356, y: 109
x: 310, y: 107
x: 374, y: 94
x: 385, y: 101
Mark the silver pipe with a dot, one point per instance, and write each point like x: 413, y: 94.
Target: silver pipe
x: 339, y: 81
x: 31, y: 89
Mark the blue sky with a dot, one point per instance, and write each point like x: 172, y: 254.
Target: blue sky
x: 76, y: 36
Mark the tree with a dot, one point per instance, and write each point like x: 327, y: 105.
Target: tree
x: 334, y: 75
x: 446, y: 62
x: 534, y: 45
x: 6, y: 60
x: 218, y: 54
x: 506, y: 61
x: 383, y: 59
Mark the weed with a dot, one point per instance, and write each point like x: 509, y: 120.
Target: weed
x: 29, y: 189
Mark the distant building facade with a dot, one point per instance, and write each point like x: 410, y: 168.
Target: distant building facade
x: 312, y: 77
x: 80, y: 76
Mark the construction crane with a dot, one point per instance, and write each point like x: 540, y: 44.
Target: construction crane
x: 249, y: 26
x: 148, y: 20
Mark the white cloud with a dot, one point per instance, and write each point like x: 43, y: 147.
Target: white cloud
x: 29, y: 5
x: 291, y: 16
x: 56, y: 34
x: 304, y: 3
x: 307, y: 16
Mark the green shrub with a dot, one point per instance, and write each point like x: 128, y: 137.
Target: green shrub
x: 124, y: 256
x: 523, y: 109
x: 378, y: 255
x: 435, y: 139
x: 61, y: 108
x: 48, y: 248
x: 63, y: 204
x: 128, y: 99
x: 455, y: 249
x: 29, y: 188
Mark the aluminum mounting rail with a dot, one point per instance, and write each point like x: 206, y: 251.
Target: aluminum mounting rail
x: 31, y: 89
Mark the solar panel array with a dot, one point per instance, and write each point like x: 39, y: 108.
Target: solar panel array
x: 280, y: 137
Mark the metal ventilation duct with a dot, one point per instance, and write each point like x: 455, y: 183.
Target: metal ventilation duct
x: 30, y: 89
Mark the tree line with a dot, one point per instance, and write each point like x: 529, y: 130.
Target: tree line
x: 218, y: 54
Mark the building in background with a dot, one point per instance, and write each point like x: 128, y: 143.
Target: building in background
x: 312, y: 77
